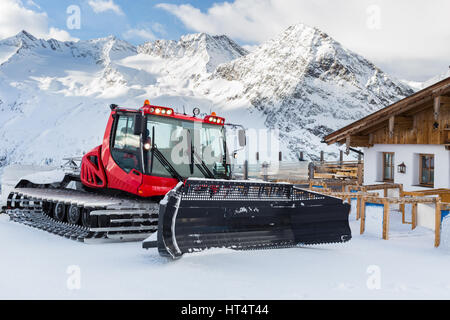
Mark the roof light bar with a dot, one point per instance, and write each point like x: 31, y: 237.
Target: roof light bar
x: 213, y: 119
x: 160, y: 111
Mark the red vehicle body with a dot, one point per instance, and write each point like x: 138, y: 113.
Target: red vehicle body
x: 101, y: 170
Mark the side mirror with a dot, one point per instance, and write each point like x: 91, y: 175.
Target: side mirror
x: 242, y: 138
x: 138, y: 124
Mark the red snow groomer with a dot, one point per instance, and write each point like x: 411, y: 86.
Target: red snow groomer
x: 154, y: 153
x: 138, y: 153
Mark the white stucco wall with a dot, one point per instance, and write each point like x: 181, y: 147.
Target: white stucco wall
x: 409, y: 154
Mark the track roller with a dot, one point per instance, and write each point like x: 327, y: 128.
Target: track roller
x: 74, y: 214
x: 59, y: 212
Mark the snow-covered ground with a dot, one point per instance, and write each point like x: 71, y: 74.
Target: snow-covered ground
x: 38, y: 265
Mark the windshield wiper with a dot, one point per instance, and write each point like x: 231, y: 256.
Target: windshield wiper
x: 163, y: 160
x: 166, y: 164
x: 202, y: 167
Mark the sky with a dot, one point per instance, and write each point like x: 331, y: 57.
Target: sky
x: 410, y: 39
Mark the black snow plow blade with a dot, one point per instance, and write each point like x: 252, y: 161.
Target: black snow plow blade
x: 243, y: 215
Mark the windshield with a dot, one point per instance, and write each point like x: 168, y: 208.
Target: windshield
x: 180, y: 141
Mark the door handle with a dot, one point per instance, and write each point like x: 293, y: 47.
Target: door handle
x: 135, y: 172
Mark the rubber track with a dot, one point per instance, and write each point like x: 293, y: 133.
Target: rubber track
x: 39, y: 220
x: 30, y: 213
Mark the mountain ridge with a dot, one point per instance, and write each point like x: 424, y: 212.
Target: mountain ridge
x: 302, y: 83
x: 308, y: 76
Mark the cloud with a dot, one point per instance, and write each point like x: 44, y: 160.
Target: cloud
x: 159, y: 28
x: 142, y: 32
x: 139, y: 33
x: 15, y: 18
x: 105, y: 5
x: 31, y: 3
x: 250, y: 47
x: 384, y: 31
x: 242, y: 20
x: 61, y: 35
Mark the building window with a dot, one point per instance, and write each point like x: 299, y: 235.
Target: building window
x: 427, y: 170
x: 388, y: 166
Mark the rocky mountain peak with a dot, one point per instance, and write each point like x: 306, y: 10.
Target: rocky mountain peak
x: 25, y: 35
x: 212, y: 50
x: 308, y: 84
x: 104, y: 50
x: 22, y: 39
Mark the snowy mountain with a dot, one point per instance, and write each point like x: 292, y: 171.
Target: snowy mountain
x: 417, y: 86
x: 210, y: 51
x: 308, y: 85
x: 436, y: 79
x: 54, y: 96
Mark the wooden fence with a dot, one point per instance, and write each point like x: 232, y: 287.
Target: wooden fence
x: 338, y: 170
x: 439, y: 197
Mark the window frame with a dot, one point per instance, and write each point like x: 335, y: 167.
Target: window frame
x: 421, y: 182
x: 148, y: 169
x: 392, y: 166
x: 112, y: 141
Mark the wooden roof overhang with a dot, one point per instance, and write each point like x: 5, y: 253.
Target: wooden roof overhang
x: 401, y: 114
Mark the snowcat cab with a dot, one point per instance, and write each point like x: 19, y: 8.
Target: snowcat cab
x: 146, y: 152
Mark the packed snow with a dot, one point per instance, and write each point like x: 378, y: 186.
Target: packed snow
x: 39, y: 265
x: 11, y: 175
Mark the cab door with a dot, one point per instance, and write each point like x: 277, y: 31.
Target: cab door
x: 124, y: 167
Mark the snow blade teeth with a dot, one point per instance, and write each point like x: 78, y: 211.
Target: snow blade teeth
x: 243, y: 215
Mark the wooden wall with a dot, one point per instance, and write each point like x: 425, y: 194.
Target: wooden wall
x: 413, y: 128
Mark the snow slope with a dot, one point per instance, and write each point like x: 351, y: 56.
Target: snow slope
x: 35, y: 265
x: 436, y: 79
x: 417, y: 86
x: 54, y: 96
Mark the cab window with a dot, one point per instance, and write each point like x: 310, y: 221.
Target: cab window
x: 126, y: 145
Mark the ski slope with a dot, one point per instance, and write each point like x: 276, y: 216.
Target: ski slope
x: 35, y: 265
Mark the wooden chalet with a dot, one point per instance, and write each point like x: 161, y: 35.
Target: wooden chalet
x: 407, y: 142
